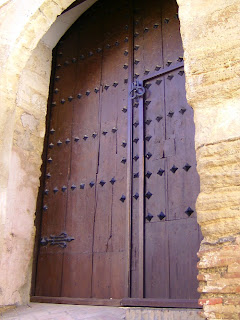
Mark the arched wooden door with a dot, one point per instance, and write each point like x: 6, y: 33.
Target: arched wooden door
x: 118, y: 213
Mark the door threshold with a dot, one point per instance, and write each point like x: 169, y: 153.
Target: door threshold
x: 80, y: 301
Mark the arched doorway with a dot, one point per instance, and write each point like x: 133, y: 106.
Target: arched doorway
x: 118, y: 215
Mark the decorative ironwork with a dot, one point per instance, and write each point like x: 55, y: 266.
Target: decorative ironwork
x: 60, y: 240
x: 137, y: 90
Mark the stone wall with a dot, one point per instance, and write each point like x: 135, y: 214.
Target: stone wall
x: 211, y: 37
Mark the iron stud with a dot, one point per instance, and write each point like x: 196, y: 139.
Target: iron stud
x: 186, y: 167
x: 124, y: 109
x: 74, y: 60
x: 123, y: 198
x: 136, y: 175
x: 91, y: 184
x: 96, y: 90
x: 126, y: 27
x: 76, y: 139
x: 161, y: 216
x: 66, y: 63
x: 59, y: 142
x: 70, y: 98
x: 176, y: 16
x: 102, y: 183
x: 157, y: 68
x: 170, y: 114
x: 90, y: 54
x: 104, y: 132
x: 82, y: 57
x: 50, y: 160
x: 149, y: 217
x: 45, y: 207
x: 82, y: 185
x: 114, y: 130
x: 79, y: 96
x: 54, y: 103
x: 126, y: 39
x: 124, y: 144
x: 189, y: 211
x: 57, y: 78
x: 136, y: 196
x: 51, y: 145
x: 136, y: 75
x: 146, y: 72
x: 112, y: 181
x: 106, y: 86
x: 60, y: 53
x: 148, y: 195
x: 73, y: 187
x: 168, y: 63
x: 148, y: 174
x: 136, y: 140
x: 158, y: 82
x: 136, y: 157
x: 156, y: 25
x: 170, y: 76
x: 136, y: 104
x: 136, y: 34
x: 124, y: 160
x: 136, y: 47
x: 174, y: 169
x: 63, y: 101
x: 146, y: 30
x: 67, y: 141
x: 85, y: 137
x: 181, y: 72
x: 180, y: 59
x: 94, y: 135
x: 46, y: 192
x: 125, y: 66
x: 182, y: 110
x: 125, y: 80
x: 99, y: 50
x: 135, y: 124
x: 48, y: 175
x: 166, y: 20
x: 64, y: 188
x: 125, y: 52
x: 117, y: 43
x: 59, y: 66
x: 108, y: 46
x: 148, y: 85
x: 160, y: 172
x: 148, y: 155
x: 56, y: 90
x: 115, y: 84
x: 148, y: 138
x: 148, y: 121
x: 147, y: 102
x: 159, y: 118
x: 88, y: 93
x: 136, y: 61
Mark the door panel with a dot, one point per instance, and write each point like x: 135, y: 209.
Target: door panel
x: 91, y: 208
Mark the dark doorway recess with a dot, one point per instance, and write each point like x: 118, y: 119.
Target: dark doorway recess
x: 118, y: 219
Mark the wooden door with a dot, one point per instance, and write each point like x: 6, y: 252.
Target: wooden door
x: 118, y: 213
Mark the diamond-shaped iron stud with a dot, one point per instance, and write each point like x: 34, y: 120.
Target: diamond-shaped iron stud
x: 170, y: 76
x: 148, y: 195
x: 96, y: 90
x: 136, y: 175
x: 76, y: 139
x: 180, y: 59
x: 125, y: 66
x: 106, y: 86
x: 135, y: 124
x: 46, y: 192
x: 45, y: 207
x: 166, y: 20
x: 59, y: 143
x: 63, y: 101
x: 156, y: 25
x: 148, y: 121
x: 88, y: 92
x: 123, y: 198
x: 92, y: 183
x: 148, y: 85
x: 135, y: 140
x: 73, y: 187
x: 102, y: 183
x: 186, y: 167
x: 146, y: 72
x: 104, y: 132
x: 147, y: 102
x: 124, y: 144
x: 50, y: 160
x: 70, y: 98
x: 161, y: 216
x: 114, y: 130
x: 148, y: 174
x: 158, y: 82
x: 148, y: 138
x: 52, y: 131
x: 189, y: 211
x: 168, y: 63
x: 48, y: 175
x: 157, y: 68
x: 55, y: 190
x: 85, y: 137
x: 64, y: 188
x: 115, y: 84
x: 182, y: 110
x: 136, y: 196
x: 136, y: 157
x: 160, y: 172
x: 67, y: 141
x: 170, y: 114
x: 149, y: 217
x: 124, y: 160
x: 148, y: 155
x: 112, y: 181
x: 124, y: 109
x: 174, y: 169
x: 82, y: 185
x: 51, y: 145
x: 159, y: 118
x: 94, y: 135
x: 79, y: 96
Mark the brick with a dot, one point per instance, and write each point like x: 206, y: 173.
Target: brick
x: 210, y: 301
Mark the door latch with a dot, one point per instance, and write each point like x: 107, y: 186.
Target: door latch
x: 137, y: 90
